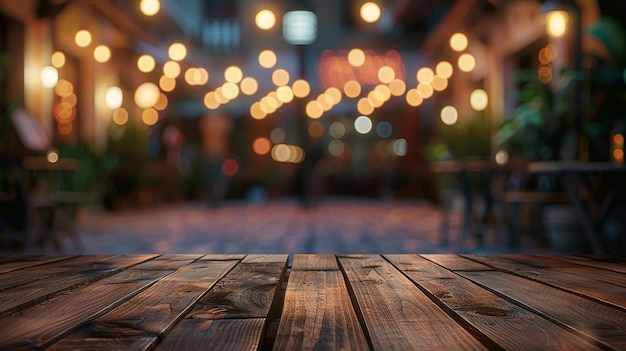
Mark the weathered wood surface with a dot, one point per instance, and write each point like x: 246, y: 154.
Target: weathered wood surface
x: 322, y: 302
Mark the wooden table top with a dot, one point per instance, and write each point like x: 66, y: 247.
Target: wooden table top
x: 330, y: 302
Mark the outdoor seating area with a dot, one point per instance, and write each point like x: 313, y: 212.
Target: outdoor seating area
x: 330, y: 302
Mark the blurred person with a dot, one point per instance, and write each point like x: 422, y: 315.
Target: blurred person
x: 215, y: 130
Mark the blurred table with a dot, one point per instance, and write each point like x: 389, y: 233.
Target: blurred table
x: 329, y: 302
x: 582, y: 182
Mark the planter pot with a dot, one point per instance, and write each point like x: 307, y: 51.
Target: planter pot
x: 563, y: 230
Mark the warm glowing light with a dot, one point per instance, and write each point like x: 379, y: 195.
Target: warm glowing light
x: 57, y: 59
x: 233, y: 74
x: 120, y: 116
x: 336, y: 147
x: 479, y: 100
x: 386, y: 74
x: 439, y: 83
x: 383, y: 92
x: 287, y: 153
x: 219, y: 92
x: 352, y: 89
x: 64, y: 88
x: 397, y: 87
x: 301, y: 88
x: 202, y: 76
x: 114, y: 97
x: 211, y: 100
x: 171, y: 69
x: 70, y: 99
x: 326, y: 101
x: 149, y: 7
x: 49, y: 76
x: 449, y: 115
x: 375, y: 98
x: 467, y: 63
x: 545, y: 74
x: 444, y: 69
x: 256, y: 111
x: 267, y: 59
x: 413, y: 98
x: 425, y: 90
x: 425, y: 75
x: 161, y: 103
x: 363, y: 125
x: 192, y: 76
x: 356, y: 57
x: 249, y: 86
x: 285, y: 94
x: 230, y: 90
x: 337, y: 130
x: 280, y: 77
x: 150, y: 116
x: 365, y: 106
x: 167, y: 84
x: 147, y: 95
x: 146, y: 63
x: 458, y: 42
x: 314, y: 109
x: 618, y: 155
x: 82, y: 38
x: 102, y: 53
x: 370, y: 12
x: 65, y: 128
x: 265, y: 19
x: 177, y: 51
x: 556, y: 23
x: 618, y: 139
x: 52, y: 156
x: 261, y: 146
x: 501, y: 157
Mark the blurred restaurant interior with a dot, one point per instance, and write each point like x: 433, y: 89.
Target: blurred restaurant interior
x: 128, y: 104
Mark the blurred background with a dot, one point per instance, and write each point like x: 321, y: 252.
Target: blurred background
x: 117, y: 107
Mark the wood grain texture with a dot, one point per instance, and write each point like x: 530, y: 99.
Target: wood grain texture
x: 221, y: 334
x: 318, y: 313
x: 456, y: 262
x: 263, y: 258
x: 611, y: 263
x: 139, y: 322
x: 44, y: 323
x: 173, y: 262
x: 315, y: 262
x: 58, y: 277
x: 11, y: 263
x: 397, y: 314
x: 245, y: 292
x: 596, y: 321
x: 222, y: 257
x: 494, y: 320
x: 601, y: 291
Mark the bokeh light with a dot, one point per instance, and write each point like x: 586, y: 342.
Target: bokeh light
x: 114, y: 97
x: 161, y: 103
x: 501, y: 157
x: 467, y: 63
x: 230, y: 167
x: 284, y: 94
x: 370, y: 12
x: 49, y: 76
x: 233, y: 74
x: 316, y: 129
x: 177, y: 51
x: 363, y: 124
x: 397, y: 87
x: 64, y: 88
x: 439, y: 83
x: 336, y: 147
x: 280, y: 77
x: 261, y: 146
x: 425, y: 90
x: 120, y: 116
x: 458, y: 42
x: 400, y: 147
x: 365, y: 106
x: 356, y: 57
x: 413, y: 98
x: 57, y: 59
x: 249, y: 86
x: 314, y: 109
x: 167, y: 84
x: 386, y: 74
x: 171, y: 69
x: 425, y: 75
x: 278, y: 135
x: 265, y: 19
x: 149, y: 7
x: 82, y: 38
x: 352, y: 89
x: 479, y: 100
x: 556, y: 23
x: 337, y: 130
x: 449, y: 115
x: 267, y: 59
x: 384, y: 129
x: 146, y: 95
x: 52, y: 156
x: 102, y: 53
x: 146, y: 63
x: 301, y: 88
x: 256, y: 111
x: 444, y: 69
x: 150, y: 116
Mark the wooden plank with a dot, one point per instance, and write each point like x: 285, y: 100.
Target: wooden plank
x: 600, y: 291
x: 21, y: 262
x: 492, y: 318
x: 596, y: 321
x: 397, y: 315
x: 263, y: 258
x: 174, y: 261
x: 222, y: 257
x: 318, y: 313
x: 46, y: 322
x: 245, y: 292
x: 138, y: 323
x: 84, y: 270
x: 456, y: 263
x: 219, y: 334
x: 311, y: 262
x: 611, y: 263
